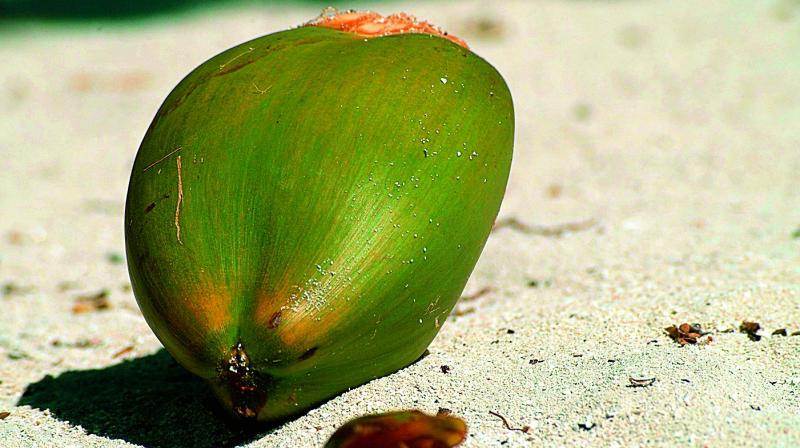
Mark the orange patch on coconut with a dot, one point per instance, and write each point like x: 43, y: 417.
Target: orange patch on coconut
x: 294, y: 320
x: 372, y: 24
x: 210, y: 306
x: 303, y: 328
x: 269, y: 311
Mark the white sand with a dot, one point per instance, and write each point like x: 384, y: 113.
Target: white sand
x: 689, y: 161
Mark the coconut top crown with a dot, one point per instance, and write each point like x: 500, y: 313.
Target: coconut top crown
x: 372, y: 24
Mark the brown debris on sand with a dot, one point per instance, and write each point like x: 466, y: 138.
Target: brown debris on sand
x: 91, y: 302
x: 687, y: 333
x: 751, y: 329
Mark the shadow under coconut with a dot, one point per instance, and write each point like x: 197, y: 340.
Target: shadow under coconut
x: 150, y: 401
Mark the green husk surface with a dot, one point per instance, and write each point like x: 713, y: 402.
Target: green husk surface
x: 305, y: 209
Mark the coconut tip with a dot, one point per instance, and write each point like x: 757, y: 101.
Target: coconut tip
x: 371, y: 24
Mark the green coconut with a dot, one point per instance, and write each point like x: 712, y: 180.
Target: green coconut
x: 305, y: 209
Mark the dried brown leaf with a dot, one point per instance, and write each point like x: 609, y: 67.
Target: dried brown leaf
x: 685, y: 333
x: 407, y: 429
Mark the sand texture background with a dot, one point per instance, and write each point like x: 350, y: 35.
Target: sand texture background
x: 665, y: 134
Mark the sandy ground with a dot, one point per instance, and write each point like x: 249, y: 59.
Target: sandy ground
x: 673, y: 126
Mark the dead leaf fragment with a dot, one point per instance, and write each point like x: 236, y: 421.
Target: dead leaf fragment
x: 4, y: 414
x: 641, y: 382
x: 751, y: 328
x: 91, y: 302
x: 407, y: 429
x: 685, y: 333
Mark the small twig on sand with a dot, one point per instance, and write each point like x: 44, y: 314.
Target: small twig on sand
x: 477, y: 295
x: 463, y: 311
x: 524, y: 429
x: 122, y: 352
x: 554, y: 231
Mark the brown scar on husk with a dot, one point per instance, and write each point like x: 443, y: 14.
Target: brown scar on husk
x: 274, y: 321
x: 307, y: 354
x: 179, y: 202
x: 153, y: 204
x: 162, y: 159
